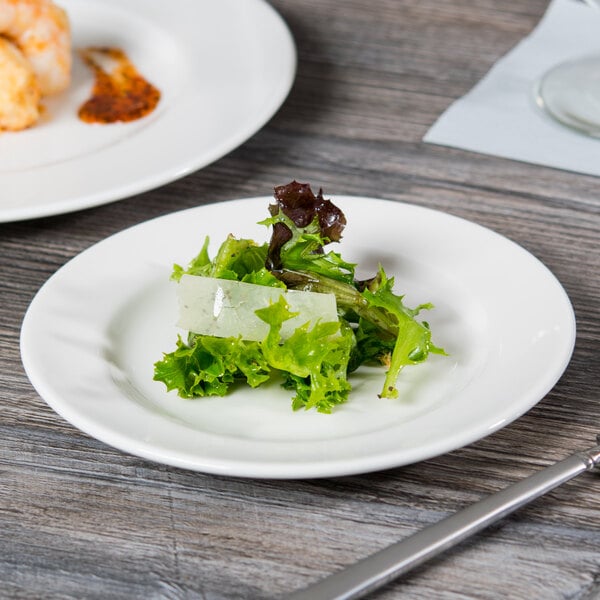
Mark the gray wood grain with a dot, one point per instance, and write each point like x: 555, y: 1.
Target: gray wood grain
x: 81, y: 520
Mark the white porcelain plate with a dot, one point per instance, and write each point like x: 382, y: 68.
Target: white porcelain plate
x: 94, y: 330
x: 223, y: 68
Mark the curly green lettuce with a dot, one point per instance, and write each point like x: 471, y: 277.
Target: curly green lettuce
x: 314, y: 363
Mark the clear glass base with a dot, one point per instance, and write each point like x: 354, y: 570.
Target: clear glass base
x: 570, y: 93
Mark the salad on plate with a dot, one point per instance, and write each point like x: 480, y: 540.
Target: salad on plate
x: 290, y: 309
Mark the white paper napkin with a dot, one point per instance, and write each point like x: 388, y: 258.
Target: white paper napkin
x: 499, y: 116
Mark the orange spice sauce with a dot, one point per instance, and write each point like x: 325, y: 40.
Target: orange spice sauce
x: 120, y: 93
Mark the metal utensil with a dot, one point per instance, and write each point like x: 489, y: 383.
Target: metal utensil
x: 386, y: 565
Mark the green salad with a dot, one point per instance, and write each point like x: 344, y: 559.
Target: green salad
x: 289, y: 308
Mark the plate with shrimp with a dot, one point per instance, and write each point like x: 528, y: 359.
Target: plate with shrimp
x: 101, y: 100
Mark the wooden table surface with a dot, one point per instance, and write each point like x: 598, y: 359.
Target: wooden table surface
x: 79, y: 519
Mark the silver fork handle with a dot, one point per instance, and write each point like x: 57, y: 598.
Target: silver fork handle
x: 386, y: 565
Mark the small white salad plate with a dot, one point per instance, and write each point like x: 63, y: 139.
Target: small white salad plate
x: 223, y: 68
x: 94, y: 330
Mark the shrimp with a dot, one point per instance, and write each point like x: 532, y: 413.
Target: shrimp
x: 41, y: 30
x: 19, y: 90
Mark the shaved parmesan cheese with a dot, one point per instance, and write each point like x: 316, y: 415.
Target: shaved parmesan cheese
x: 225, y: 308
